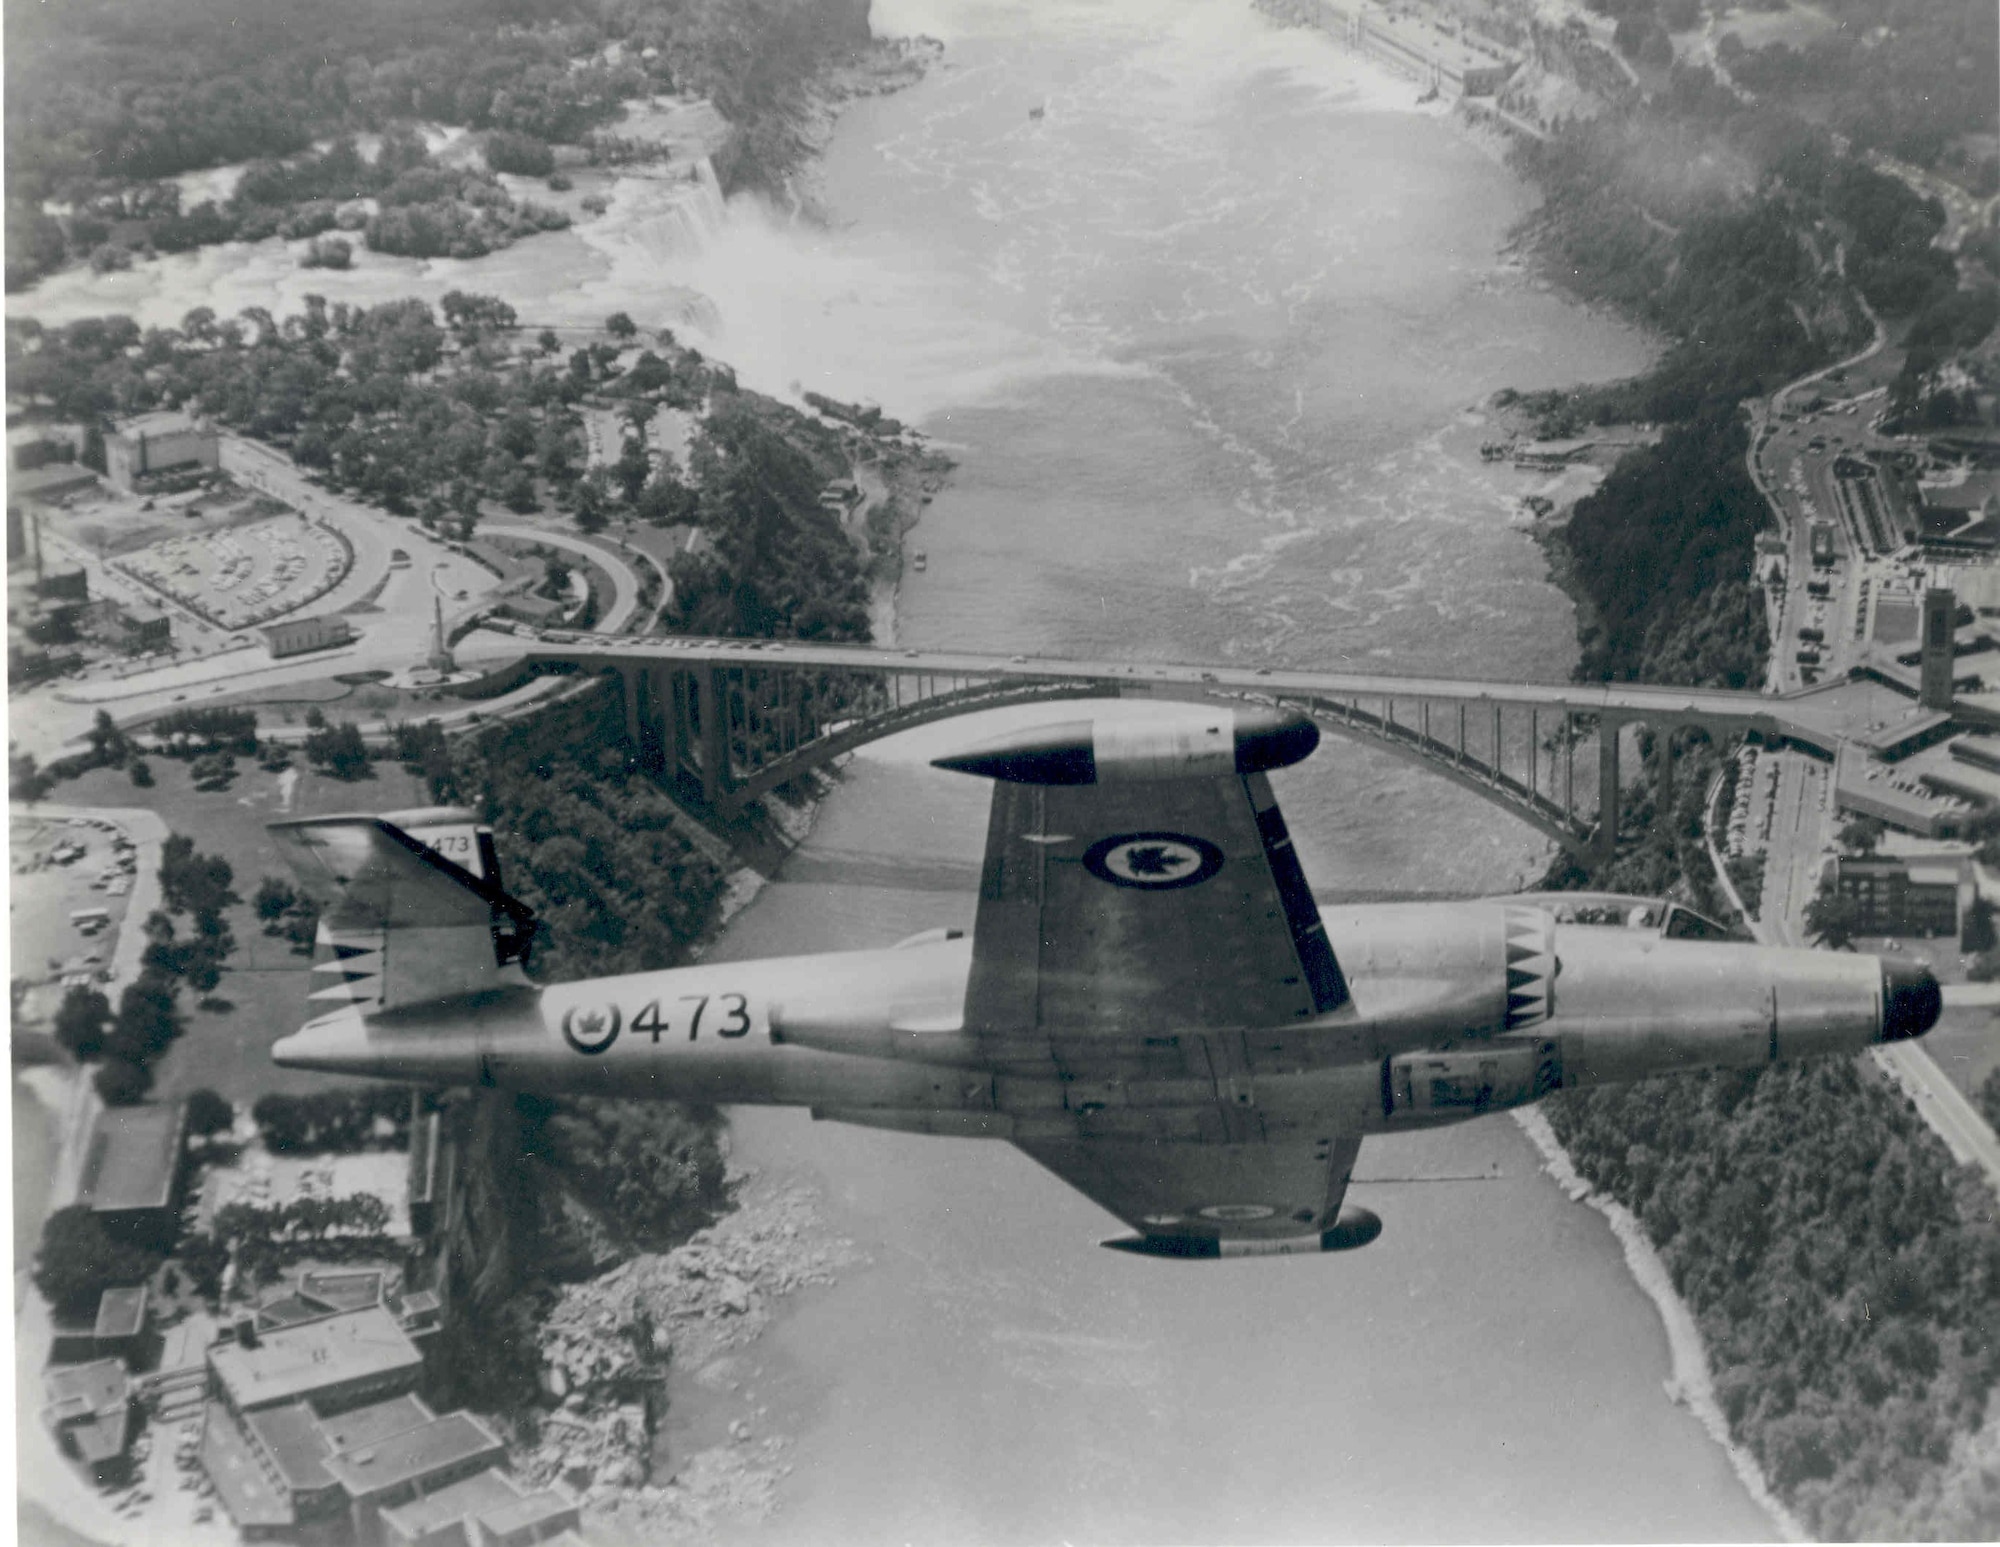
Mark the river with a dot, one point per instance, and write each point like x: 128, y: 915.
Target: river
x: 1207, y: 337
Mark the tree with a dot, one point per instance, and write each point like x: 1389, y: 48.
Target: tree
x: 78, y: 1261
x: 590, y: 503
x: 121, y: 1083
x: 633, y: 466
x: 1862, y: 834
x: 141, y: 772
x: 1832, y: 918
x: 148, y: 1020
x: 1976, y: 929
x: 338, y: 751
x: 204, y: 1258
x: 108, y: 746
x: 275, y: 897
x: 621, y: 327
x: 208, y: 1112
x: 192, y: 882
x: 518, y: 494
x: 80, y: 1022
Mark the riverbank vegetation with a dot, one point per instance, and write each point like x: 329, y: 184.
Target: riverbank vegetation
x: 107, y: 103
x: 1844, y: 1273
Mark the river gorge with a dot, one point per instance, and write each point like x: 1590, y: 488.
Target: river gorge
x: 1205, y: 309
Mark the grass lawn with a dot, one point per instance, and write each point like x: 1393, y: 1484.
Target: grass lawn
x: 264, y: 984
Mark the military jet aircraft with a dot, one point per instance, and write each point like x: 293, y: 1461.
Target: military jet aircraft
x: 1151, y: 1003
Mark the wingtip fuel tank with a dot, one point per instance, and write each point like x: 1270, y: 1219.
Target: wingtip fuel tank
x: 1203, y: 742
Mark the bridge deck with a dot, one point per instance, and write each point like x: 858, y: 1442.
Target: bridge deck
x: 1797, y: 717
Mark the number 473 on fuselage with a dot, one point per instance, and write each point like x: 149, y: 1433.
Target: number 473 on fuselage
x: 1150, y: 1003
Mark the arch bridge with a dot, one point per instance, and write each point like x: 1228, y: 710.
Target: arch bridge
x: 725, y: 721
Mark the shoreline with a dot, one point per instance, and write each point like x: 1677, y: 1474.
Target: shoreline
x: 1691, y: 1385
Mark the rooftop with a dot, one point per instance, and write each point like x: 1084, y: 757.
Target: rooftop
x: 121, y: 1313
x: 376, y: 1422
x: 480, y: 1494
x: 537, y: 1509
x: 291, y: 1437
x: 92, y: 1405
x: 165, y: 421
x: 414, y: 1454
x: 345, y: 1289
x: 132, y: 1158
x: 298, y: 1361
x: 249, y: 1495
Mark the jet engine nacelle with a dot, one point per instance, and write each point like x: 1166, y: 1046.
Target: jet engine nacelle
x: 1423, y: 973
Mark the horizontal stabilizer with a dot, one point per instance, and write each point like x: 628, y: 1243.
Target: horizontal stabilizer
x: 409, y: 914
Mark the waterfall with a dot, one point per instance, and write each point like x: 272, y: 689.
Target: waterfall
x: 697, y: 214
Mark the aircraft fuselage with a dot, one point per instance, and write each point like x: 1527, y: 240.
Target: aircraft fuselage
x: 1457, y: 1009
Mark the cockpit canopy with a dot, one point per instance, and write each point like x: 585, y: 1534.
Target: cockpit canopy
x: 1619, y: 910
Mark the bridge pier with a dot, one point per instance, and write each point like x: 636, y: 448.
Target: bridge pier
x: 1604, y: 842
x: 712, y: 715
x: 1663, y: 775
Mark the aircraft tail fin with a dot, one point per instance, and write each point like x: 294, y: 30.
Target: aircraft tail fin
x: 411, y: 907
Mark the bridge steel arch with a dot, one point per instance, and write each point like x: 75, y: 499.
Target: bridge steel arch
x: 724, y: 722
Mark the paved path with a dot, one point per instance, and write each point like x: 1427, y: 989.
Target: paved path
x: 148, y: 831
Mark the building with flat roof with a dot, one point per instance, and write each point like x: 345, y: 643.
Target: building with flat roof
x: 47, y: 485
x: 487, y: 1509
x: 90, y: 1413
x: 130, y: 626
x: 290, y: 1469
x: 404, y: 1467
x: 297, y: 636
x: 120, y: 1329
x: 154, y: 442
x: 132, y: 1169
x: 337, y: 1361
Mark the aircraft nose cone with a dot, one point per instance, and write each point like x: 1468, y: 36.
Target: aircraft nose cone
x: 1911, y: 1000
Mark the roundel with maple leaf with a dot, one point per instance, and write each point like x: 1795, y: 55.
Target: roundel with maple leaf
x: 591, y: 1028
x: 1153, y: 862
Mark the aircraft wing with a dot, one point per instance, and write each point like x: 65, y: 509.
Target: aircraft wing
x: 1132, y: 909
x: 1191, y: 1199
x: 1141, y: 900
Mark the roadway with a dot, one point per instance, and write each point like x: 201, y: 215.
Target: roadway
x: 624, y: 580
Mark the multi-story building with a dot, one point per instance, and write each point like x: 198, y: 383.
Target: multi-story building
x: 1902, y: 897
x: 152, y: 443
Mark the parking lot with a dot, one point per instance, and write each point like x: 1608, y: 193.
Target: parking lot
x: 241, y: 576
x: 61, y: 868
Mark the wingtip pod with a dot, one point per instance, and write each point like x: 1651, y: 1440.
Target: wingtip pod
x: 1210, y: 745
x: 1354, y: 1228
